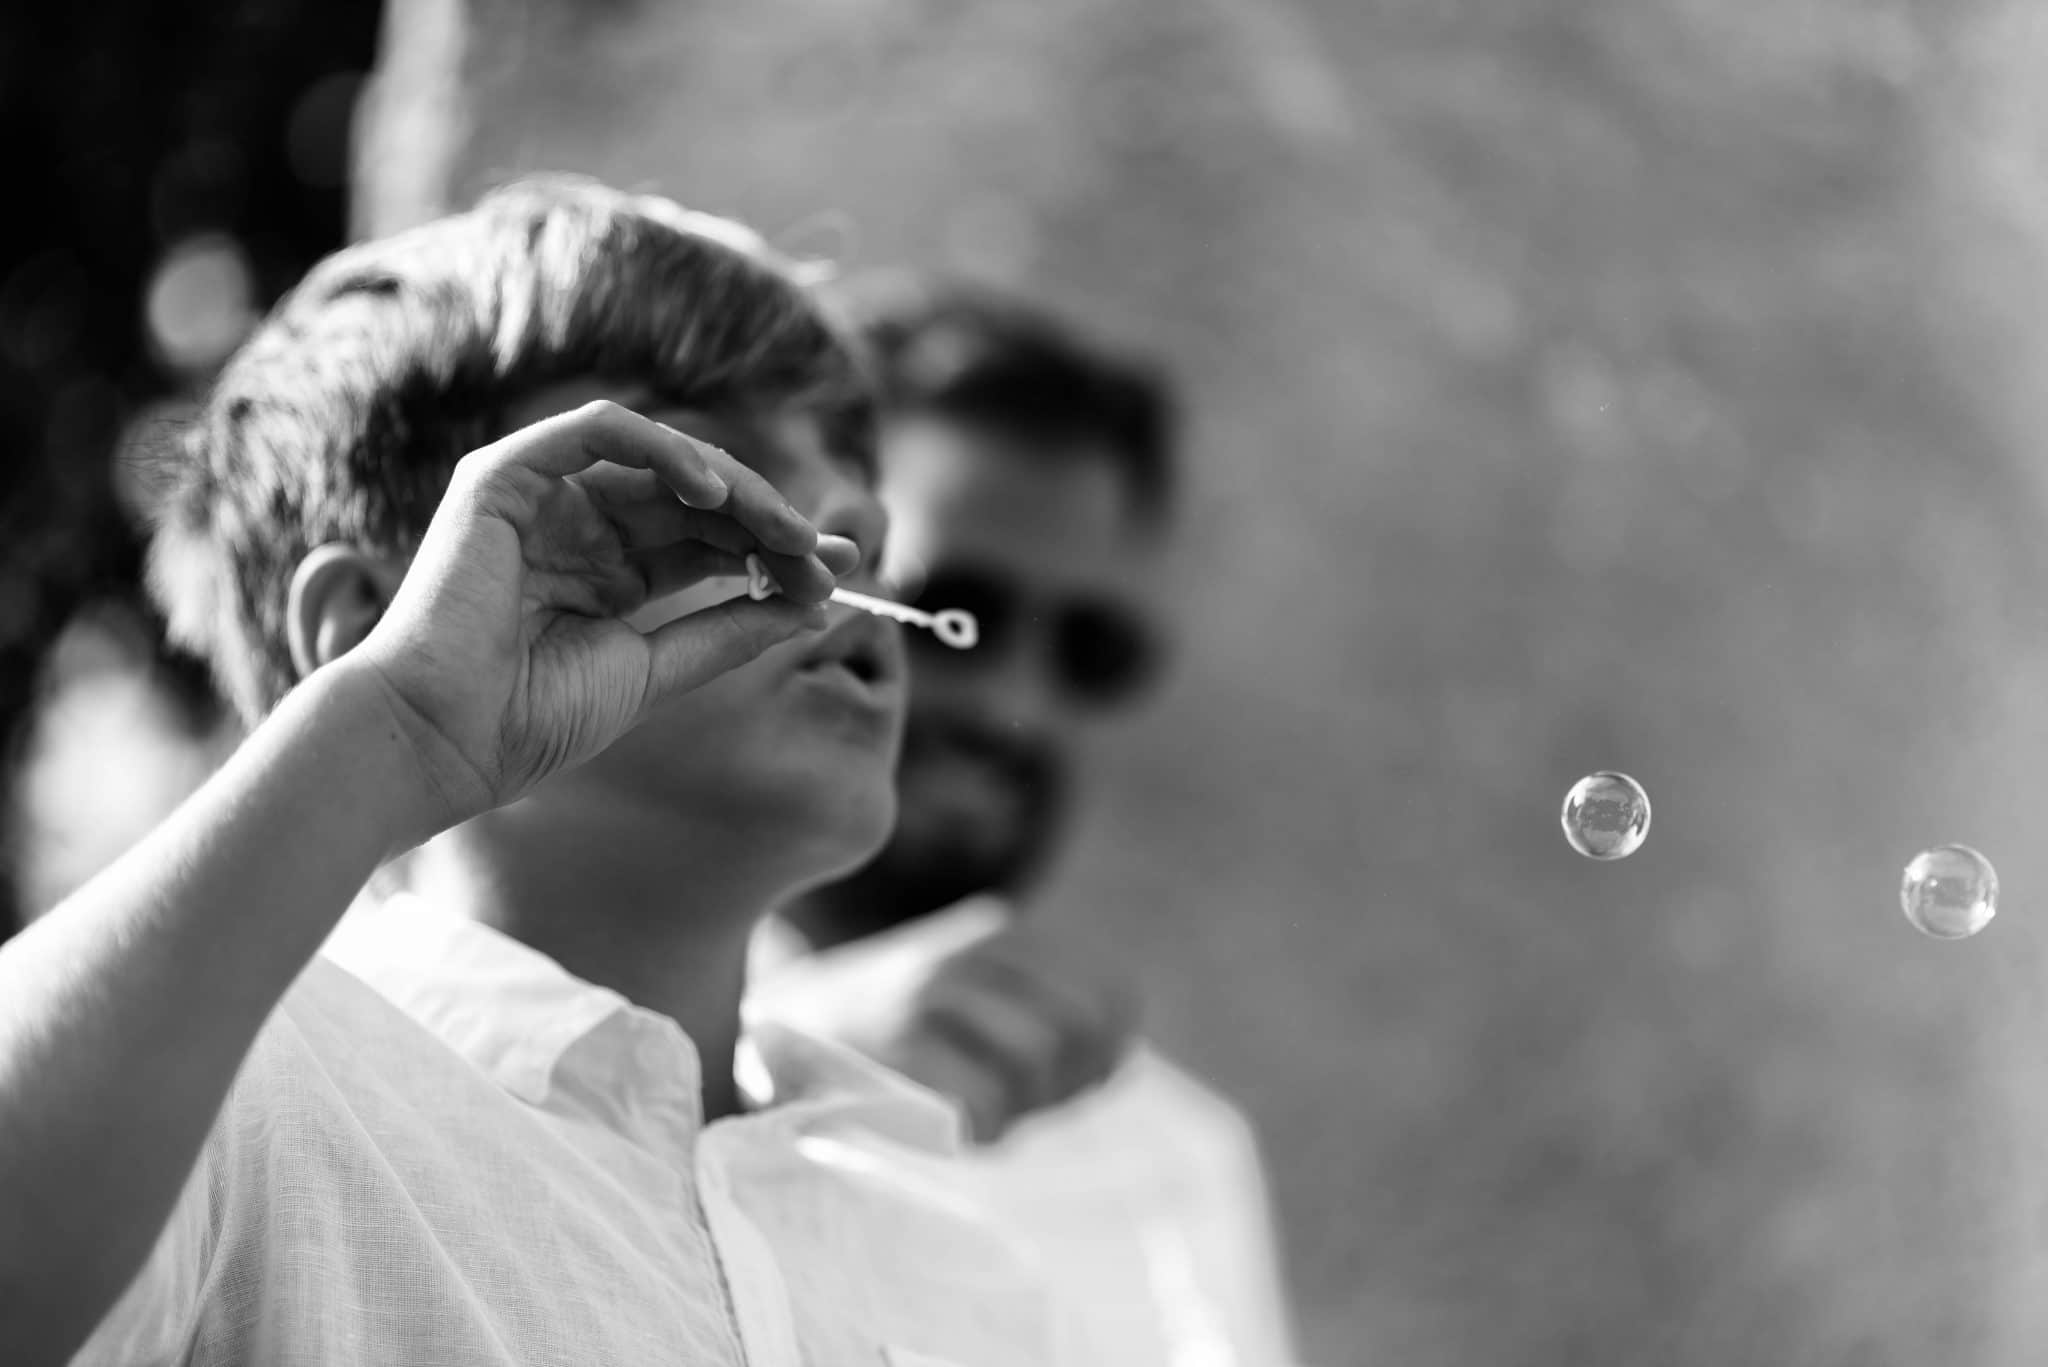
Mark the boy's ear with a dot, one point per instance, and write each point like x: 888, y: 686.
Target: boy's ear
x: 337, y: 595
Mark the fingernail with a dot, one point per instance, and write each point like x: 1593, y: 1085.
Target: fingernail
x: 712, y: 477
x: 841, y: 548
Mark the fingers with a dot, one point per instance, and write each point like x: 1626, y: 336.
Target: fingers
x: 658, y: 519
x: 982, y: 1095
x: 756, y: 504
x: 1097, y: 1010
x: 1007, y: 1041
x: 675, y: 567
x: 667, y: 528
x: 1017, y: 1048
x: 680, y: 564
x: 648, y: 516
x: 695, y: 649
x: 698, y: 473
x: 646, y: 512
x: 839, y: 554
x: 805, y: 579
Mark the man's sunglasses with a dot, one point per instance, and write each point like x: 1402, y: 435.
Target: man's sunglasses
x: 1101, y: 652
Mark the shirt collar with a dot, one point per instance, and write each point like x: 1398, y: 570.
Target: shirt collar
x: 808, y: 1076
x: 507, y: 1008
x: 552, y: 1039
x: 790, y: 1009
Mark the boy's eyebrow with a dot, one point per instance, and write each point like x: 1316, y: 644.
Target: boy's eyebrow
x: 849, y: 430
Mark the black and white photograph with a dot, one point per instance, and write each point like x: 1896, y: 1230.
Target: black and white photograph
x: 1097, y: 683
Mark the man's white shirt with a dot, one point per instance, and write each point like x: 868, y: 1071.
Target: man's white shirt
x: 446, y: 1149
x: 1143, y: 1201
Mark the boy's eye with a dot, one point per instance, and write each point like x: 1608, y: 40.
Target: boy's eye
x: 861, y: 463
x: 852, y: 444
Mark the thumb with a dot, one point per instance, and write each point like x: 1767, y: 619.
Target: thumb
x: 691, y: 651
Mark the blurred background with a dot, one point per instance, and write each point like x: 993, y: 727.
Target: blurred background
x: 179, y: 164
x: 1650, y: 385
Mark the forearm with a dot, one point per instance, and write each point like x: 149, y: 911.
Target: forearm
x: 125, y: 1013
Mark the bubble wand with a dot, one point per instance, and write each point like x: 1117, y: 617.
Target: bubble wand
x: 955, y: 627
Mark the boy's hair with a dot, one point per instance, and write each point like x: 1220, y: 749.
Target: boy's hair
x: 962, y: 352
x: 343, y: 417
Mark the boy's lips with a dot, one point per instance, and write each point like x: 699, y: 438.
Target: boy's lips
x: 867, y: 647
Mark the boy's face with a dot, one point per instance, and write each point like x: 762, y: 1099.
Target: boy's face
x: 799, y: 746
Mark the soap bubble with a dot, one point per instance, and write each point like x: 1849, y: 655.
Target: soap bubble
x: 1950, y: 892
x: 1606, y: 816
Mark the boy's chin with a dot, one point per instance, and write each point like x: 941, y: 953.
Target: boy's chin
x: 846, y: 818
x: 864, y: 841
x: 830, y: 818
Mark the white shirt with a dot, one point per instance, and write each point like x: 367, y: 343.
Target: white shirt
x: 1144, y: 1200
x: 445, y: 1149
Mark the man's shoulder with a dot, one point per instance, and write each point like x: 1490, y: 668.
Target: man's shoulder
x: 1149, y: 1084
x: 1151, y: 1112
x: 1151, y: 1081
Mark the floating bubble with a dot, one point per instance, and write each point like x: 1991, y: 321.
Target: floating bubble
x: 1950, y: 892
x: 1606, y: 816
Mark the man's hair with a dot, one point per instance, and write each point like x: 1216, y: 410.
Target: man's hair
x: 343, y: 417
x: 968, y: 354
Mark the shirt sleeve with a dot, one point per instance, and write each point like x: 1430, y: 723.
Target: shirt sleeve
x: 157, y: 1317
x: 153, y: 1321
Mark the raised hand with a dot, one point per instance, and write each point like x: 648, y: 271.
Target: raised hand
x: 1004, y: 1019
x: 1012, y: 1025
x: 504, y: 654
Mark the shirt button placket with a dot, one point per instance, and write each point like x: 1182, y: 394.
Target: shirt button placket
x: 753, y: 1283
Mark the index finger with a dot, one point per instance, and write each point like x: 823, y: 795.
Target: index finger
x: 1097, y: 1011
x: 982, y: 1096
x: 701, y: 475
x: 753, y: 502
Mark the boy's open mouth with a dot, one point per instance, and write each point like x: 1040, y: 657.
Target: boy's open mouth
x: 863, y: 646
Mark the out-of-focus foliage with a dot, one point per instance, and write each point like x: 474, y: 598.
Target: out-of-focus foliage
x: 1637, y: 384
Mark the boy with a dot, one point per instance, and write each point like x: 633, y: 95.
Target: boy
x: 497, y: 1120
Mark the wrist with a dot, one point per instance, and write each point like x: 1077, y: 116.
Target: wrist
x: 388, y: 759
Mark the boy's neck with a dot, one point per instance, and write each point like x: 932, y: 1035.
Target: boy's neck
x: 664, y: 924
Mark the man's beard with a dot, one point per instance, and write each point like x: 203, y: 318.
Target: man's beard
x: 925, y: 868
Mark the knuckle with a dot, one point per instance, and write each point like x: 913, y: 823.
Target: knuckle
x: 474, y: 470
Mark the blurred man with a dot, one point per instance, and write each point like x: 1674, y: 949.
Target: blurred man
x: 1029, y: 476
